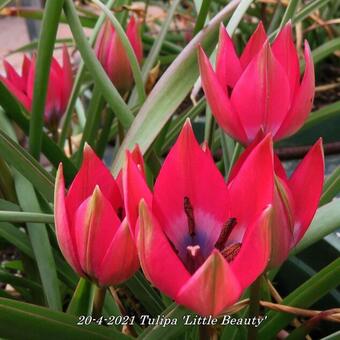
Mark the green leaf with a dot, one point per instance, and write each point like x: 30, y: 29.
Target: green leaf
x: 15, y: 216
x: 326, y: 49
x: 202, y: 15
x: 18, y: 157
x: 169, y: 91
x: 20, y: 320
x: 47, y: 37
x: 326, y: 220
x: 103, y: 82
x: 304, y: 296
x: 40, y: 243
x: 331, y: 187
x: 4, y: 3
x: 16, y: 237
x: 145, y: 294
x: 82, y: 299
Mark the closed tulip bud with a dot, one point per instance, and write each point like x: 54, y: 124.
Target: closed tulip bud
x: 58, y: 91
x: 92, y: 231
x: 112, y: 55
x: 261, y: 90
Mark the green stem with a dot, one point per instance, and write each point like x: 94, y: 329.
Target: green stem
x: 237, y: 151
x: 98, y: 302
x: 254, y: 306
x: 25, y: 217
x: 105, y: 134
x: 49, y: 28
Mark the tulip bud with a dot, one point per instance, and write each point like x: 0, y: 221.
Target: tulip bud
x: 112, y: 55
x: 260, y: 91
x: 92, y: 231
x: 58, y: 91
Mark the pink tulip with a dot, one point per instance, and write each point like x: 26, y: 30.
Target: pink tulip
x: 92, y: 231
x: 58, y: 91
x: 201, y: 242
x: 260, y: 91
x: 295, y: 199
x: 111, y: 53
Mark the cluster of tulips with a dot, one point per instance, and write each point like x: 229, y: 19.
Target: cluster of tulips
x: 199, y: 239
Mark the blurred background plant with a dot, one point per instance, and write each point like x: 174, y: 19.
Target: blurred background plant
x: 166, y: 92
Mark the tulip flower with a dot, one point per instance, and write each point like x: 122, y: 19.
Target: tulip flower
x: 198, y: 241
x: 260, y: 91
x: 111, y: 53
x: 58, y: 91
x: 295, y: 200
x: 92, y: 231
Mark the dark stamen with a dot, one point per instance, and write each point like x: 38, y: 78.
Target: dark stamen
x: 227, y: 228
x: 120, y: 213
x: 189, y: 211
x: 231, y: 251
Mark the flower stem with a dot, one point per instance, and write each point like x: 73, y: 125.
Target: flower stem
x: 254, y: 306
x: 207, y: 333
x: 98, y: 301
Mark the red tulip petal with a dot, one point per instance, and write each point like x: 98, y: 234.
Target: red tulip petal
x: 95, y: 226
x: 92, y: 172
x: 262, y: 95
x: 254, y: 45
x: 121, y: 260
x: 20, y: 96
x: 132, y: 32
x: 228, y: 67
x: 64, y: 230
x: 67, y: 79
x: 218, y: 100
x: 285, y: 53
x: 279, y: 169
x: 26, y: 65
x: 302, y: 102
x: 282, y: 223
x: 160, y: 264
x: 135, y: 188
x: 254, y: 253
x: 251, y: 190
x: 306, y: 187
x: 212, y: 288
x: 190, y: 172
x: 14, y: 77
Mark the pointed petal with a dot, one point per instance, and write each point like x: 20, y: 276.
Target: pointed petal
x: 279, y: 169
x: 14, y: 77
x: 285, y: 53
x: 228, y: 67
x: 92, y: 172
x: 132, y: 32
x: 26, y: 64
x: 121, y: 260
x: 254, y: 45
x: 95, y: 226
x: 135, y: 188
x: 262, y: 95
x: 282, y: 223
x: 218, y: 100
x: 159, y: 262
x: 302, y: 102
x: 212, y: 288
x: 20, y: 96
x: 306, y: 187
x: 64, y: 230
x: 254, y: 253
x: 251, y: 190
x: 190, y: 172
x: 67, y: 79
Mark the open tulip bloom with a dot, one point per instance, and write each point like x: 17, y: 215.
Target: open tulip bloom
x: 92, y: 231
x: 58, y: 91
x: 200, y: 241
x: 261, y: 90
x: 295, y: 199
